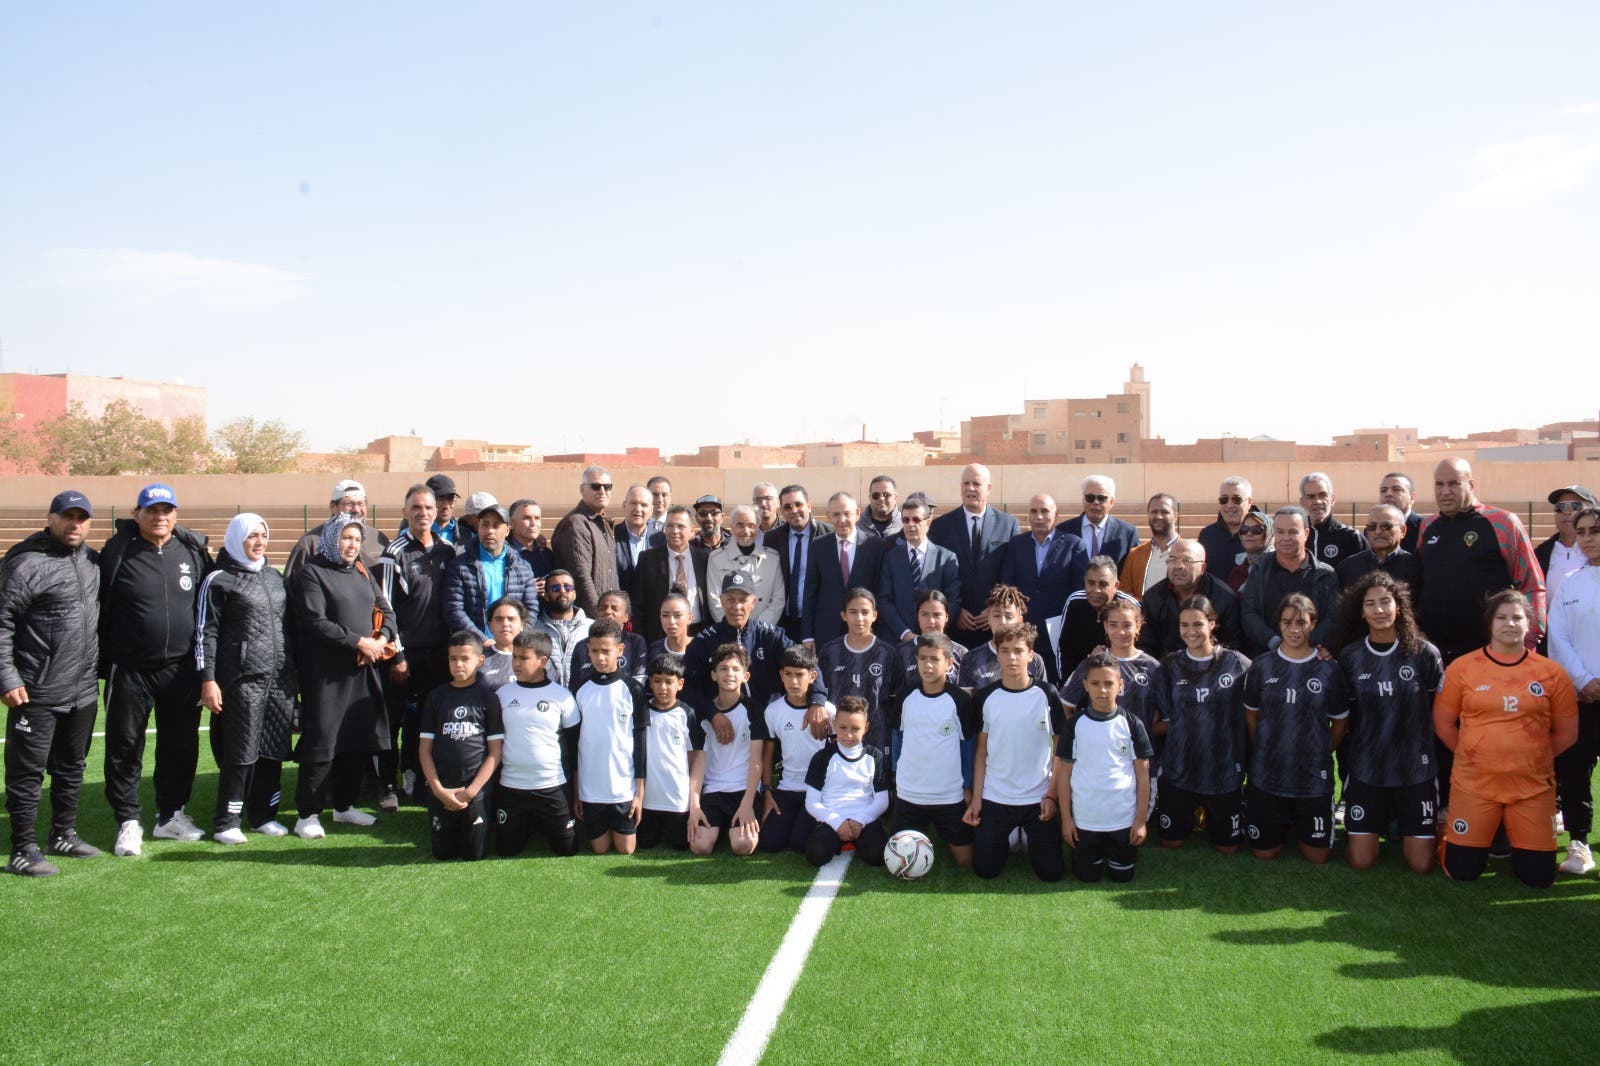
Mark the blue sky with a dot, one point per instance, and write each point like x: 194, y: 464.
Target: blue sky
x: 589, y: 226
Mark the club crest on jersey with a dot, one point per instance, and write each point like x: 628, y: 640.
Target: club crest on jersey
x: 1407, y: 674
x: 1141, y: 678
x: 544, y: 705
x: 761, y: 654
x: 1536, y: 688
x: 1470, y: 537
x: 876, y: 669
x: 1331, y: 550
x: 788, y: 727
x: 1314, y: 685
x: 1254, y: 831
x: 460, y: 713
x: 624, y: 713
x: 1357, y: 813
x: 1459, y: 826
x: 500, y: 816
x: 946, y: 729
x: 1226, y: 680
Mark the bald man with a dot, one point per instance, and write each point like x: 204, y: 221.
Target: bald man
x: 1047, y: 565
x: 1187, y: 576
x: 978, y: 535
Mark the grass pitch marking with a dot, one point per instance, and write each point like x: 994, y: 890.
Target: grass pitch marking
x: 749, y: 1040
x: 147, y: 732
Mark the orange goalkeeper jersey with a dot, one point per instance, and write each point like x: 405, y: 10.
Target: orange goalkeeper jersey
x: 1506, y: 713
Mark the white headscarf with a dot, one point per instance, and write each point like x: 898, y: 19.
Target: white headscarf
x: 241, y: 526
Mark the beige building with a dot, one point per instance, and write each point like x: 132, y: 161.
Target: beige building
x: 1097, y: 431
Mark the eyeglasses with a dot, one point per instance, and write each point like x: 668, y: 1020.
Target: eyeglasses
x: 561, y: 588
x: 1230, y: 499
x: 1095, y: 497
x: 1373, y: 527
x: 599, y: 486
x: 1570, y: 505
x: 912, y: 519
x: 708, y: 512
x: 1252, y: 531
x: 882, y: 495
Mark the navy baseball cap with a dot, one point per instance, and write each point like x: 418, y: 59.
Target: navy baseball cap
x: 442, y: 485
x: 739, y: 581
x: 69, y: 501
x: 157, y: 493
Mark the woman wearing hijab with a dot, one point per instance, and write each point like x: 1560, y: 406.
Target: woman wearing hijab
x: 343, y: 629
x: 244, y: 656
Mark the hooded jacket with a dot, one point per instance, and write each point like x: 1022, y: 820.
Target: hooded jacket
x: 49, y: 622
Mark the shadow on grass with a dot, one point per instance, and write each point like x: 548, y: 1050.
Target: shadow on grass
x: 1489, y: 1036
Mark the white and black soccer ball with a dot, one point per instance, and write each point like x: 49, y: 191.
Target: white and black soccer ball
x: 908, y: 855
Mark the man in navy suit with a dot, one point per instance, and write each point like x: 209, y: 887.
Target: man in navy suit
x: 633, y: 534
x: 1102, y: 532
x: 845, y: 559
x: 978, y: 535
x: 791, y: 539
x: 1046, y: 564
x: 1400, y: 492
x: 911, y: 564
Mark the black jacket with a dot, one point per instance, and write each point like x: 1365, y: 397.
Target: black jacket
x: 412, y: 580
x: 147, y: 596
x: 1332, y: 542
x: 49, y: 622
x: 1159, y: 635
x: 244, y: 642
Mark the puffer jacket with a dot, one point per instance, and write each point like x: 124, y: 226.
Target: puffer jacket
x: 242, y: 626
x: 49, y: 622
x: 466, y: 604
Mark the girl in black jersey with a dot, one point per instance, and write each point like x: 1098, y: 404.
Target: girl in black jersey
x: 1201, y: 714
x: 1391, y: 676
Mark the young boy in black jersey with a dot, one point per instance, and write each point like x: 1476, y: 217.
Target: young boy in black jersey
x: 935, y: 728
x: 722, y: 795
x: 1012, y: 770
x: 787, y: 754
x: 1103, y: 777
x: 673, y: 743
x: 614, y: 713
x: 459, y: 750
x: 847, y: 790
x: 540, y: 719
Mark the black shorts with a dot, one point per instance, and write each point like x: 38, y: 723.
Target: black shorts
x: 1268, y: 818
x: 1374, y: 808
x: 1098, y: 855
x: 944, y: 817
x: 602, y: 818
x: 720, y: 807
x: 520, y: 813
x: 462, y: 834
x: 1175, y: 809
x: 664, y: 827
x: 790, y: 827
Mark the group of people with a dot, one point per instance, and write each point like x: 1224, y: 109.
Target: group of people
x: 685, y: 674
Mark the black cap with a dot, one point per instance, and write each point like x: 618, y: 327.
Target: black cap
x: 442, y: 485
x: 71, y: 500
x: 739, y: 581
x: 708, y: 498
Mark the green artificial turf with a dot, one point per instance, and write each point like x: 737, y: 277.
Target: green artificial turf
x: 361, y: 948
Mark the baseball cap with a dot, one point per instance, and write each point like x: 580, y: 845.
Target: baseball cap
x: 442, y: 485
x: 1579, y: 491
x: 71, y: 500
x: 495, y: 509
x: 708, y: 498
x: 157, y: 493
x: 739, y: 581
x: 479, y: 502
x: 348, y: 487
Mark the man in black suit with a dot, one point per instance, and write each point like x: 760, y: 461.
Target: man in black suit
x: 633, y: 533
x: 1400, y: 492
x: 911, y: 564
x: 978, y: 536
x: 1045, y: 564
x: 1102, y: 532
x: 678, y: 564
x: 791, y: 539
x: 847, y: 558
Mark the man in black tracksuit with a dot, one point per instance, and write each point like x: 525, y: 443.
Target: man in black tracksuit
x: 150, y: 574
x: 49, y: 589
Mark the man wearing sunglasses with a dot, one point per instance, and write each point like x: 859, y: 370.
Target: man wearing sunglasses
x: 882, y: 518
x: 1385, y: 529
x: 1102, y: 532
x: 584, y: 543
x: 1559, y: 554
x: 566, y: 622
x: 1221, y: 538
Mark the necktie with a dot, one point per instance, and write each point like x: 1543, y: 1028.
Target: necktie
x: 797, y: 573
x: 916, y: 569
x: 844, y: 564
x: 976, y: 521
x: 680, y: 584
x: 1094, y: 541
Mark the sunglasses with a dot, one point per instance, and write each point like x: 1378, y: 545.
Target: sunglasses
x: 599, y: 486
x: 562, y: 588
x: 1252, y: 531
x: 882, y: 495
x: 1373, y: 527
x: 1095, y: 497
x: 1230, y: 499
x: 1570, y: 505
x: 708, y: 512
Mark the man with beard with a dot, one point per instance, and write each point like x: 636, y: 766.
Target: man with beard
x: 708, y: 516
x: 883, y: 508
x: 564, y: 620
x: 1146, y: 564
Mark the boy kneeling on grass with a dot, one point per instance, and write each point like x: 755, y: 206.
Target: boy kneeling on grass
x: 1103, y: 778
x: 722, y: 794
x: 935, y: 730
x: 460, y: 745
x: 847, y: 790
x: 613, y: 713
x: 540, y: 719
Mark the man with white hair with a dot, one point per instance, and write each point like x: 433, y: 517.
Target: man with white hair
x: 583, y: 542
x: 1220, y: 539
x: 745, y: 552
x: 1102, y: 532
x: 979, y: 536
x: 1331, y: 540
x: 764, y: 498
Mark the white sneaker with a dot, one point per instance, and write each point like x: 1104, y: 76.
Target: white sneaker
x: 408, y: 783
x: 354, y: 816
x: 1579, y: 861
x: 272, y: 829
x: 179, y: 827
x: 1561, y: 823
x: 230, y: 836
x: 130, y: 838
x: 309, y: 828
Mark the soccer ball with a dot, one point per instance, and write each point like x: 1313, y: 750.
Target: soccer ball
x: 908, y: 855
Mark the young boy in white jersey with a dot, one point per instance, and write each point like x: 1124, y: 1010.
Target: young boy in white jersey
x: 614, y: 713
x: 723, y: 793
x: 459, y: 749
x: 847, y: 790
x: 935, y: 730
x: 787, y: 754
x: 540, y: 719
x: 673, y: 743
x: 1012, y: 769
x: 1103, y: 777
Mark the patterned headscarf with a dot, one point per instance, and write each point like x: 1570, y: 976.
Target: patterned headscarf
x: 240, y: 527
x: 328, y: 546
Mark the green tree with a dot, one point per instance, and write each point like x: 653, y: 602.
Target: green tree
x: 188, y: 449
x: 250, y: 447
x: 122, y: 440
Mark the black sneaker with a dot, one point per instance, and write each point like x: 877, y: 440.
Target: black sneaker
x: 30, y: 862
x: 71, y: 846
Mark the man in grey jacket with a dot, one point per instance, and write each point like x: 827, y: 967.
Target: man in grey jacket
x: 49, y: 651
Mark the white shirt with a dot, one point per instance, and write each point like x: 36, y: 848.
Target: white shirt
x: 1575, y: 625
x: 1105, y: 788
x: 533, y: 717
x: 611, y: 713
x: 847, y: 784
x: 668, y: 739
x: 1563, y: 561
x: 728, y: 765
x: 689, y: 582
x: 786, y: 725
x: 1020, y: 726
x: 928, y: 772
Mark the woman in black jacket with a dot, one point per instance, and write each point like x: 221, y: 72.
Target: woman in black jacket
x: 244, y: 656
x: 343, y: 629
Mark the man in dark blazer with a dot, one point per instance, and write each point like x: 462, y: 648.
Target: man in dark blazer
x: 678, y: 560
x: 980, y: 561
x: 1045, y: 564
x: 826, y: 579
x: 1102, y: 532
x: 633, y: 533
x: 791, y: 539
x: 899, y: 586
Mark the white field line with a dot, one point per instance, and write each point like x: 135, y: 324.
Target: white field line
x: 147, y: 732
x: 766, y: 1006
